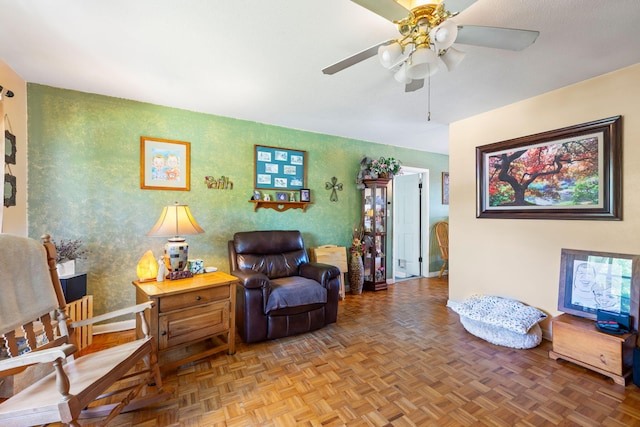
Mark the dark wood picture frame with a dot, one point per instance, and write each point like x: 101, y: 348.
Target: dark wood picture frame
x: 10, y: 190
x: 305, y: 195
x: 539, y: 167
x: 10, y: 148
x: 591, y: 280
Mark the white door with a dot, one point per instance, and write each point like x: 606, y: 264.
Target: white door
x: 407, y: 230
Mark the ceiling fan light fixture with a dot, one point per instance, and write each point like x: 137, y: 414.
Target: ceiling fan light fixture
x: 422, y: 63
x: 444, y: 35
x: 389, y: 54
x: 452, y: 57
x: 401, y: 75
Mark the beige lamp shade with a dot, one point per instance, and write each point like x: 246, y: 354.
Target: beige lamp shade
x: 176, y: 220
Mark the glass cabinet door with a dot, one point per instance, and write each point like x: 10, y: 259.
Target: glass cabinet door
x: 374, y: 211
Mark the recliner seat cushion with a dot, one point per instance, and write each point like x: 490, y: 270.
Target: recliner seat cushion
x: 294, y: 291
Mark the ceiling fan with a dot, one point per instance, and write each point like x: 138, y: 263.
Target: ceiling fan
x: 426, y: 38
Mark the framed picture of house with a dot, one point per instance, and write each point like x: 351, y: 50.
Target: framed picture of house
x: 445, y: 188
x: 165, y: 164
x: 279, y: 168
x: 568, y: 173
x: 599, y: 280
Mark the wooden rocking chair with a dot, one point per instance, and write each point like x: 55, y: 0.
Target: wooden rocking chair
x: 32, y: 303
x: 442, y: 234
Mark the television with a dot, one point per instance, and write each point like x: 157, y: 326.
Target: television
x: 599, y: 280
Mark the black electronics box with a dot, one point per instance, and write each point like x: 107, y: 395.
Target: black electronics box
x: 623, y: 319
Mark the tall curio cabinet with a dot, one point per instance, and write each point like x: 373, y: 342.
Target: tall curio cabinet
x: 374, y: 213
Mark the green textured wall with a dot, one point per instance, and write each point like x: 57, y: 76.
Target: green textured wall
x: 84, y: 182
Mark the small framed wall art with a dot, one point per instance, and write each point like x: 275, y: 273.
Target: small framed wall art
x: 445, y: 188
x: 305, y: 195
x: 9, y: 148
x: 165, y: 164
x: 9, y: 190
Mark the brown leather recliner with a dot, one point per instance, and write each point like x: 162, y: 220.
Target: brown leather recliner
x: 280, y: 292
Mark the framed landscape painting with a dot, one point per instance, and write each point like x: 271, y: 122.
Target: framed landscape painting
x: 568, y: 173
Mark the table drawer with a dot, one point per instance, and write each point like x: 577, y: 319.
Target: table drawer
x: 189, y: 299
x: 184, y: 326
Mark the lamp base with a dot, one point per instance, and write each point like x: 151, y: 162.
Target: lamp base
x: 176, y: 252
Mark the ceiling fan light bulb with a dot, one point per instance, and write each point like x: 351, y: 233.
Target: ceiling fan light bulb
x: 401, y: 75
x: 423, y: 63
x: 444, y: 35
x: 389, y: 54
x: 452, y: 57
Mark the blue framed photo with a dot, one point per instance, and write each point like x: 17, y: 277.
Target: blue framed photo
x: 279, y: 168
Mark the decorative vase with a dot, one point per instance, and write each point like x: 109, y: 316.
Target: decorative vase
x: 356, y: 274
x: 66, y: 268
x: 383, y: 175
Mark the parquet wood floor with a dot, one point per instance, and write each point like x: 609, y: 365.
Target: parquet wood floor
x: 395, y: 358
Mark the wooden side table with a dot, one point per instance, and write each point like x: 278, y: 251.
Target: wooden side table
x: 577, y: 340
x: 192, y: 318
x: 332, y: 255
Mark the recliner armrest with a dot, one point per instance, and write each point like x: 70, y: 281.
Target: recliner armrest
x: 251, y: 279
x: 321, y: 273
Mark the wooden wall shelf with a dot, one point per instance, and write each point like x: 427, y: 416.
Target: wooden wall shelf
x: 279, y: 206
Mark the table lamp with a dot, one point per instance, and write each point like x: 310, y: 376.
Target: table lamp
x: 176, y: 220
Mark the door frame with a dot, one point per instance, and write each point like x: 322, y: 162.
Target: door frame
x: 424, y: 222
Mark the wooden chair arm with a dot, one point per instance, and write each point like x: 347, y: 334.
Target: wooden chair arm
x: 42, y: 356
x: 117, y: 313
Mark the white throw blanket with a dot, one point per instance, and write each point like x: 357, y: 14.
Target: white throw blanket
x: 26, y: 291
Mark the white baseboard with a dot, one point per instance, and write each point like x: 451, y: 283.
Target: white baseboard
x: 125, y: 325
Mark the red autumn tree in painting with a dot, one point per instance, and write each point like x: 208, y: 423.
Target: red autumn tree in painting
x: 565, y: 173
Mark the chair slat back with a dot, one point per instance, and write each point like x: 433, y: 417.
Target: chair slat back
x: 442, y: 233
x: 40, y: 333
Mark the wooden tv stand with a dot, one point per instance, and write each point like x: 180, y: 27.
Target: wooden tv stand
x: 577, y: 340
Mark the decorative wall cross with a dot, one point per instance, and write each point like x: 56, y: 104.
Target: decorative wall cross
x: 333, y: 185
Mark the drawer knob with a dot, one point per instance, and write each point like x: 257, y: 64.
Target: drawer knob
x: 163, y: 333
x: 198, y: 298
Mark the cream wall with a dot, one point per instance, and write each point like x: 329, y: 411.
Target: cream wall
x: 14, y: 218
x: 521, y: 258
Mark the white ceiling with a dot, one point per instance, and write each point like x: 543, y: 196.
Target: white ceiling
x: 261, y: 60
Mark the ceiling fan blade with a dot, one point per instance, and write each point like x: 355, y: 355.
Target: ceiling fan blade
x: 496, y: 37
x: 456, y: 6
x: 414, y: 85
x: 354, y: 59
x: 388, y: 9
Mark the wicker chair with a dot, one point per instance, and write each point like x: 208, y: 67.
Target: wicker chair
x: 442, y: 234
